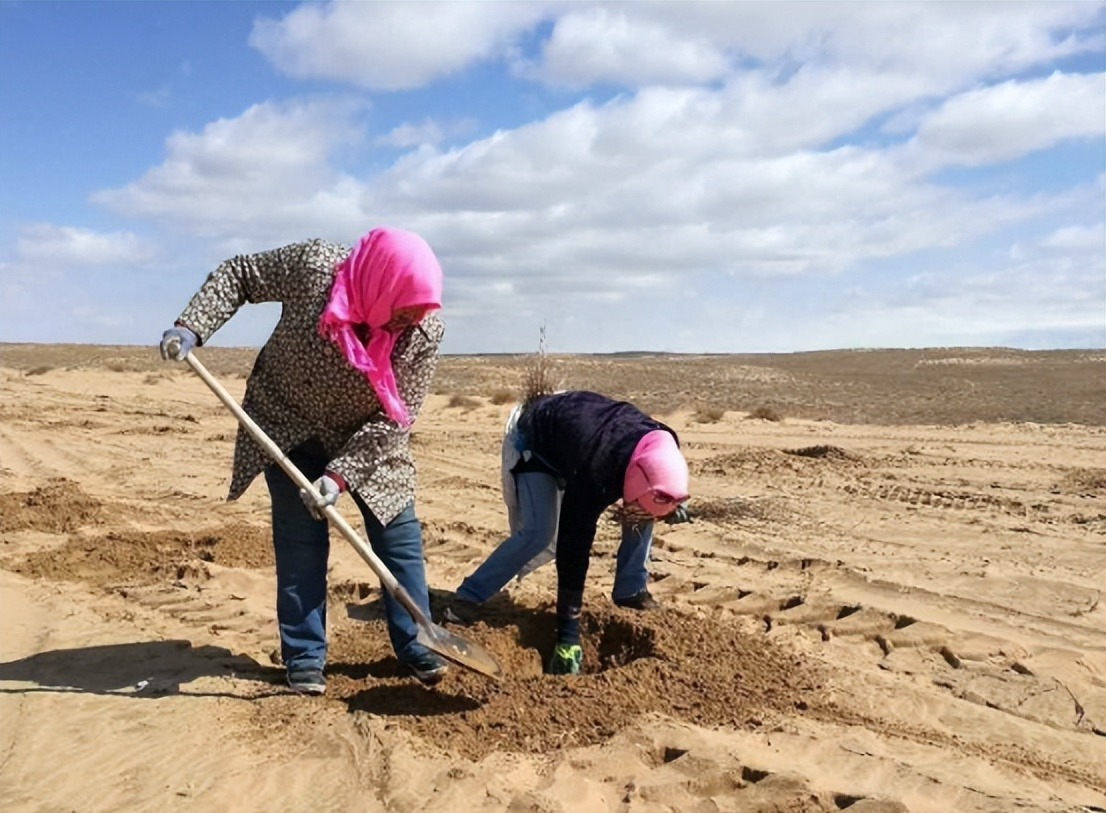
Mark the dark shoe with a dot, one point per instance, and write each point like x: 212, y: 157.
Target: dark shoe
x: 306, y: 681
x: 566, y: 660
x: 639, y: 601
x: 460, y: 611
x: 428, y: 667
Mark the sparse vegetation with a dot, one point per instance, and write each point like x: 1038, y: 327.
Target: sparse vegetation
x: 463, y: 402
x: 891, y: 387
x: 708, y: 414
x: 822, y: 451
x: 40, y: 370
x: 538, y: 378
x: 766, y: 413
x: 1082, y: 480
x: 503, y: 396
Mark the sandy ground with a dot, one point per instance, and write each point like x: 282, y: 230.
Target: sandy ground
x: 866, y: 616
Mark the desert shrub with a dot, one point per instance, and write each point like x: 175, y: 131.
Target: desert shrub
x: 666, y: 409
x: 823, y: 451
x: 1084, y: 480
x: 538, y: 378
x: 463, y: 402
x: 503, y: 396
x: 44, y: 368
x: 116, y: 366
x: 766, y: 413
x: 708, y: 414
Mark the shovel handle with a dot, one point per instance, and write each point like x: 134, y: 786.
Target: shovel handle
x: 388, y: 581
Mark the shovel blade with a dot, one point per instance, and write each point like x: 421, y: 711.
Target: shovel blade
x: 456, y: 649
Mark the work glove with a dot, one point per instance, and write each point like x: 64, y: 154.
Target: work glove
x: 681, y: 514
x: 177, y: 342
x: 329, y: 488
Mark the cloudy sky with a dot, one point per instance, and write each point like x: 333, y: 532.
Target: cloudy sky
x: 672, y: 176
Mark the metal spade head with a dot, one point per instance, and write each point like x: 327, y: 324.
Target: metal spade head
x: 456, y: 649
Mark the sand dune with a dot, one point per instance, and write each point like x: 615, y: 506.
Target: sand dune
x: 871, y: 615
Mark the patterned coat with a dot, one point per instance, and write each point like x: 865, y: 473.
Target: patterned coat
x: 302, y: 386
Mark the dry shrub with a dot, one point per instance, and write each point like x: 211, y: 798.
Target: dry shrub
x: 463, y: 402
x: 40, y: 370
x: 822, y: 451
x: 538, y: 378
x: 503, y: 396
x: 665, y: 410
x: 708, y: 414
x: 1081, y: 480
x: 117, y: 366
x: 766, y: 413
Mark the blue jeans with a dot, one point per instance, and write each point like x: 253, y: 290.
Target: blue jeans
x: 302, y: 547
x: 538, y: 504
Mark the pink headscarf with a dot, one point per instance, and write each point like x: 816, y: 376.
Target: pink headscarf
x: 388, y: 269
x: 656, y: 478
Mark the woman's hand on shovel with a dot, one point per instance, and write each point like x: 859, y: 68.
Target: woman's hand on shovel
x: 330, y: 486
x: 177, y: 342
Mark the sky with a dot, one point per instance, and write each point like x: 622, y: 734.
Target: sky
x: 690, y: 177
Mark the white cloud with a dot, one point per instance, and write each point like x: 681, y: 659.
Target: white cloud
x: 412, y: 135
x: 1077, y: 238
x: 595, y: 202
x: 615, y: 44
x: 391, y: 46
x: 1008, y: 120
x: 45, y: 245
x: 254, y: 175
x: 732, y: 161
x: 600, y: 182
x: 162, y: 97
x: 428, y: 132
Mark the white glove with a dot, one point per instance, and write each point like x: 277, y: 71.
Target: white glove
x: 177, y: 342
x: 329, y: 490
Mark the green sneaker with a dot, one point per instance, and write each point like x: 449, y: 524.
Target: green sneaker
x: 566, y: 659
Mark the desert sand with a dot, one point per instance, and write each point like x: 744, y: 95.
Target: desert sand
x: 891, y: 599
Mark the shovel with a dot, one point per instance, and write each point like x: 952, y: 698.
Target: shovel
x: 433, y: 637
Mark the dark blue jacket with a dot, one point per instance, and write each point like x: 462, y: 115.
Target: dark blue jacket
x: 586, y: 440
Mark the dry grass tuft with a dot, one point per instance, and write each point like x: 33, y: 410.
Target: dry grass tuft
x: 708, y: 414
x: 1081, y: 480
x: 538, y: 379
x: 822, y: 451
x: 503, y: 396
x: 766, y: 413
x: 465, y: 402
x: 40, y: 370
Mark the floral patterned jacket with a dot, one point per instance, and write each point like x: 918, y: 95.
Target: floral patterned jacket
x: 302, y: 386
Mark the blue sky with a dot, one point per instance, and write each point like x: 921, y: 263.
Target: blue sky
x: 671, y: 176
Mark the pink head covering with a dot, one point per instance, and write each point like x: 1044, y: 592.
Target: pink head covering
x: 387, y: 270
x: 656, y: 478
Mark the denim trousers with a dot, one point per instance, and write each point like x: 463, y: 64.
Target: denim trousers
x: 538, y: 504
x: 302, y: 547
